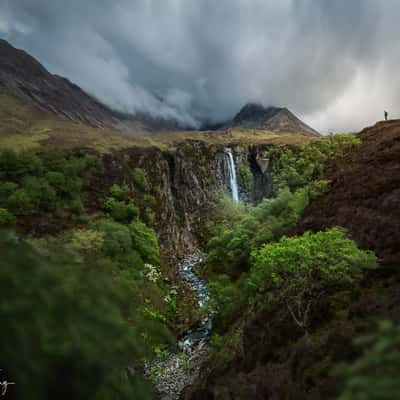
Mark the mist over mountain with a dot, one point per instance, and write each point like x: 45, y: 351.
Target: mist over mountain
x: 23, y: 76
x: 332, y: 63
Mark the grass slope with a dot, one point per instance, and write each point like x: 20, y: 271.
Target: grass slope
x: 23, y: 126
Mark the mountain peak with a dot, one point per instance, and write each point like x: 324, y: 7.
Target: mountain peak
x: 24, y: 77
x: 277, y: 119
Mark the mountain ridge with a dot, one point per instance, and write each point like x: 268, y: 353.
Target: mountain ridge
x: 25, y: 77
x: 275, y: 119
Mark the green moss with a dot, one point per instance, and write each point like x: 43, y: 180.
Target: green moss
x: 246, y: 178
x: 139, y: 179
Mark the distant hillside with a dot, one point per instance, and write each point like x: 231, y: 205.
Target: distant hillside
x: 275, y: 119
x: 23, y: 76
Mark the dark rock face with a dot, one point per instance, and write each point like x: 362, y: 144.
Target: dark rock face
x: 24, y: 77
x: 184, y: 182
x: 276, y: 119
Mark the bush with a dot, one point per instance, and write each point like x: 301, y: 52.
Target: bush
x: 227, y: 300
x: 230, y: 247
x: 144, y: 242
x: 301, y: 269
x: 57, y: 180
x: 20, y: 203
x: 40, y: 183
x: 150, y: 201
x: 121, y: 211
x: 119, y: 193
x: 42, y: 194
x: 139, y: 179
x: 6, y: 218
x: 246, y: 177
x: 117, y: 237
x: 298, y: 170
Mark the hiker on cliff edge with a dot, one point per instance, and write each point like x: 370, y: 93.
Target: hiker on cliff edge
x: 386, y: 115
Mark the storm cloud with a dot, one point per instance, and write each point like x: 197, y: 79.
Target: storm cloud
x: 334, y: 63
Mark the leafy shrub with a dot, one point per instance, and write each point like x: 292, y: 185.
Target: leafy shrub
x: 226, y: 300
x: 297, y: 170
x: 87, y: 241
x: 144, y: 241
x: 6, y: 190
x: 246, y: 178
x: 47, y: 182
x: 6, y: 218
x: 57, y: 180
x: 119, y: 193
x: 300, y: 269
x: 120, y: 210
x: 149, y: 216
x: 150, y: 201
x: 42, y: 194
x: 117, y: 237
x: 139, y: 179
x: 20, y: 203
x: 318, y: 188
x: 230, y: 247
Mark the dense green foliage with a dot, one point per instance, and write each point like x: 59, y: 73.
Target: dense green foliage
x: 91, y: 302
x: 375, y: 374
x: 246, y: 179
x: 47, y: 183
x: 305, y: 168
x: 230, y: 247
x: 236, y: 279
x: 301, y: 269
x: 65, y: 331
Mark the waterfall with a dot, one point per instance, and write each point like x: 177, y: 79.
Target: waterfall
x: 232, y: 176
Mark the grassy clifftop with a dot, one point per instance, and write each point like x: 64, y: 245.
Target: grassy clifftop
x: 23, y: 126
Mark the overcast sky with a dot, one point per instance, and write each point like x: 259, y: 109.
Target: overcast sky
x: 334, y: 63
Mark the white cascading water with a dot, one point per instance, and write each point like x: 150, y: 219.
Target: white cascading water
x: 232, y: 176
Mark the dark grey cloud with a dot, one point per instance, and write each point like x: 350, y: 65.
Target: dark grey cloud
x: 332, y: 62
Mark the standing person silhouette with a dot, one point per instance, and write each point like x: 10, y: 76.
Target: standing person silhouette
x: 386, y: 115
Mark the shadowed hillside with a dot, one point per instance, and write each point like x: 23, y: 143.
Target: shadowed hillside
x: 365, y: 194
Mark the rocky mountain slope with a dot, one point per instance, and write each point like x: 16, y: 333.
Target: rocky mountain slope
x: 23, y: 76
x: 275, y: 119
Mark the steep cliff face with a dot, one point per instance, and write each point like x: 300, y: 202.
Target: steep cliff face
x: 185, y: 183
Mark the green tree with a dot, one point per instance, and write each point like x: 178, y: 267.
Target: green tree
x: 300, y: 269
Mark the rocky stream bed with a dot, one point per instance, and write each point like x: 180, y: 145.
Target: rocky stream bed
x: 179, y: 369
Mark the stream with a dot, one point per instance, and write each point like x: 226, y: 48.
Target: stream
x: 177, y: 370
